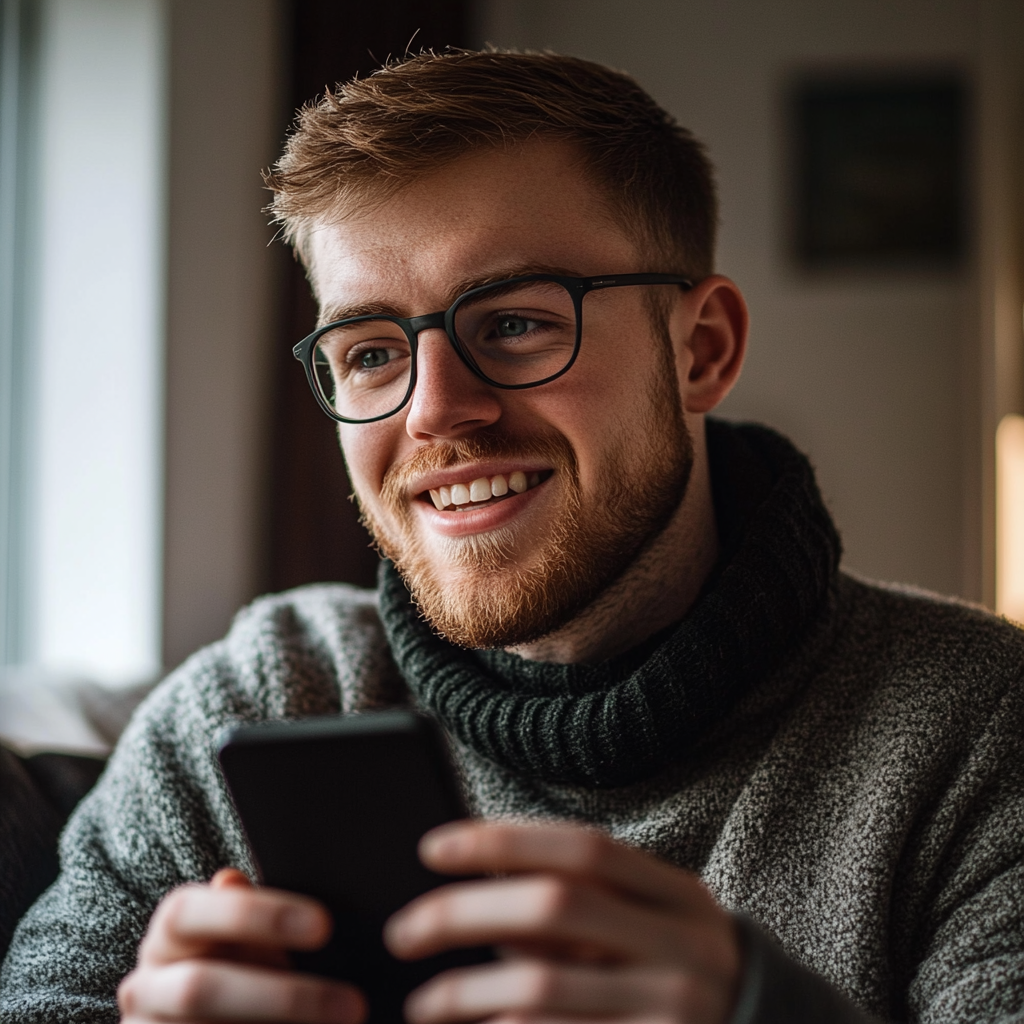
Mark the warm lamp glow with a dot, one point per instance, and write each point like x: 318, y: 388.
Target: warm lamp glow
x: 1010, y: 518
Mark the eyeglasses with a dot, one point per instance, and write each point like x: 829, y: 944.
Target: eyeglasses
x: 513, y: 334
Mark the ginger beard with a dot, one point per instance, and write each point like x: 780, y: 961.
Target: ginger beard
x: 481, y: 595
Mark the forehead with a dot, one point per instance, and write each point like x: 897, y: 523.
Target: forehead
x: 487, y: 215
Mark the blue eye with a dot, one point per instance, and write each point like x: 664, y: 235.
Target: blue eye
x: 514, y: 326
x: 373, y: 358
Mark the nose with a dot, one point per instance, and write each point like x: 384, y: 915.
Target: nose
x: 449, y: 399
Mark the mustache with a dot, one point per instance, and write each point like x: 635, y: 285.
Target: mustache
x: 398, y: 480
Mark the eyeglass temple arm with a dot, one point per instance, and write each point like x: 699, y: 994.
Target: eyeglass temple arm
x: 626, y: 279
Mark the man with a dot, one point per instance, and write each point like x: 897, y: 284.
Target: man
x: 629, y: 619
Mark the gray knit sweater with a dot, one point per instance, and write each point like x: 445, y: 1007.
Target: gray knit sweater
x: 865, y: 806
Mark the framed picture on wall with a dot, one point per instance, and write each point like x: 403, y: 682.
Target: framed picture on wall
x: 880, y: 170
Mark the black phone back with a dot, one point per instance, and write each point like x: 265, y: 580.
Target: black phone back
x: 334, y: 808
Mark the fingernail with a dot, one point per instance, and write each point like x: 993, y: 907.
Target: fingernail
x: 300, y: 923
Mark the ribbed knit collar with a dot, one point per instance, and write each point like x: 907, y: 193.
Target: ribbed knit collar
x: 625, y: 719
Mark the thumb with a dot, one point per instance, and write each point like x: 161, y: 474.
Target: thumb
x: 230, y: 878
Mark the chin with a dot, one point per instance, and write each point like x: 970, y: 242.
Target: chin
x: 475, y: 556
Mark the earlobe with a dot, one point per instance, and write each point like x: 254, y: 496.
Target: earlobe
x: 713, y: 343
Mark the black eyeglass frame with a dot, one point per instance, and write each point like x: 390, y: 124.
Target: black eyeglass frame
x: 577, y: 287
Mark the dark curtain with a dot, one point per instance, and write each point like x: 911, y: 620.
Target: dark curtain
x: 315, y: 533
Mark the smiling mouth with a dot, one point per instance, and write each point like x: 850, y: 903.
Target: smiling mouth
x: 484, y: 490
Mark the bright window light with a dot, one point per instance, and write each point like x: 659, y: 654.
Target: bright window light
x: 95, y: 540
x: 1010, y: 518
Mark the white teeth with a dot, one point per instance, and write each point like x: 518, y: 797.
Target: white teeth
x: 482, y: 489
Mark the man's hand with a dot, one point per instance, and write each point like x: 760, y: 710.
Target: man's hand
x: 220, y: 952
x: 595, y: 930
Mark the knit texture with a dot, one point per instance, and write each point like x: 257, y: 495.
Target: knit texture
x: 863, y: 804
x: 622, y: 721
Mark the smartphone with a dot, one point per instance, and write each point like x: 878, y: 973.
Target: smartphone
x: 334, y: 808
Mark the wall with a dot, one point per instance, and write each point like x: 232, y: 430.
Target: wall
x: 874, y: 375
x: 227, y: 118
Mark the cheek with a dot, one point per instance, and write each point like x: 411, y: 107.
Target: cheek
x: 367, y: 448
x: 602, y: 415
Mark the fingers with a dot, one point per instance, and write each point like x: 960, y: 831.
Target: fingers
x: 218, y: 952
x: 195, y: 920
x: 475, y: 847
x: 560, y: 914
x: 210, y: 990
x: 542, y: 991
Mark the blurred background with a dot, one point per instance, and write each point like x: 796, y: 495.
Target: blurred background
x: 161, y: 459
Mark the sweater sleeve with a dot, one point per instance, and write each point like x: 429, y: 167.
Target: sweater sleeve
x: 159, y: 817
x: 970, y: 932
x: 775, y: 988
x: 958, y: 940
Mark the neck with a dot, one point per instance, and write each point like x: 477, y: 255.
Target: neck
x: 658, y: 589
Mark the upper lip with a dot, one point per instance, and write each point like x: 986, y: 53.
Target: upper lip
x: 467, y: 472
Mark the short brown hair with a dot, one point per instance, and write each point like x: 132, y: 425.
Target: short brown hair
x: 369, y: 137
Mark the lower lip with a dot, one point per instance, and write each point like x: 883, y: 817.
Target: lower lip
x: 479, y: 520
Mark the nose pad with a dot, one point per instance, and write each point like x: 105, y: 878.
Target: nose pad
x: 449, y: 400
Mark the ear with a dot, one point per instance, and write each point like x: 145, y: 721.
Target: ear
x: 709, y: 333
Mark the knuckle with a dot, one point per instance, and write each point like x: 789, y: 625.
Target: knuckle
x: 172, y: 910
x: 302, y: 1000
x: 172, y: 906
x: 539, y: 985
x: 437, y: 913
x: 589, y: 850
x: 447, y: 993
x: 553, y: 901
x: 192, y: 990
x: 682, y: 995
x: 239, y: 916
x: 491, y: 842
x: 127, y: 993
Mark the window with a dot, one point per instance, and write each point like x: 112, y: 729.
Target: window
x: 83, y: 251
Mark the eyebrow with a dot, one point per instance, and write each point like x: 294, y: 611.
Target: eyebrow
x: 331, y: 313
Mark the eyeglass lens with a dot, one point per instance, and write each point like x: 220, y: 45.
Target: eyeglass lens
x: 513, y: 334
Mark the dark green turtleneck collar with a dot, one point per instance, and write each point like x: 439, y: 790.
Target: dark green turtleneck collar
x: 624, y: 719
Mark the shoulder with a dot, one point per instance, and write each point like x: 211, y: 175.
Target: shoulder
x: 286, y: 648
x: 318, y: 650
x: 925, y: 630
x: 913, y: 660
x: 315, y: 650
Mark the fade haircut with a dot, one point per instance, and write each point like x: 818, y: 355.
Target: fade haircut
x: 362, y: 143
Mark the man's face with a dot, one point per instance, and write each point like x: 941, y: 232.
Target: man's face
x: 603, y: 452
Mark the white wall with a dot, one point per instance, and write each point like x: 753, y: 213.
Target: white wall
x: 864, y: 371
x: 227, y: 119
x: 95, y: 441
